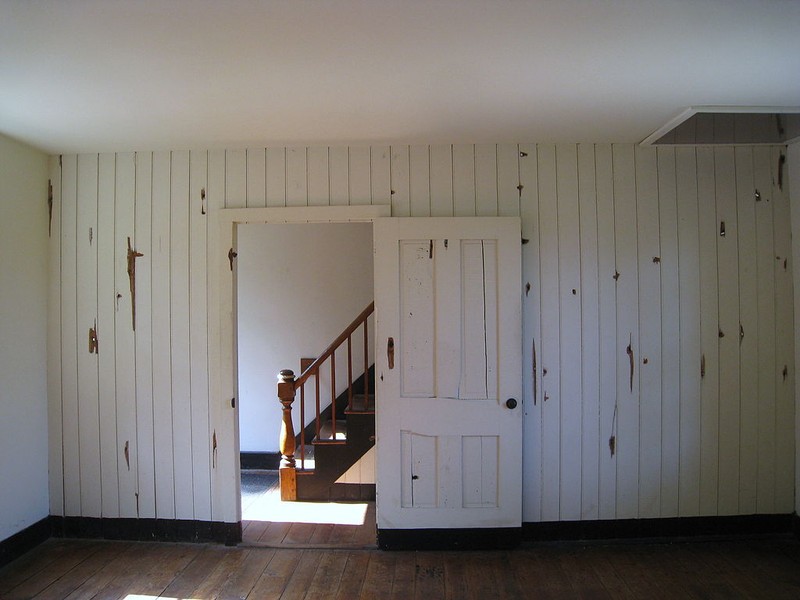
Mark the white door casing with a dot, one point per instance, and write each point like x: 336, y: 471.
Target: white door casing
x: 447, y: 295
x: 223, y: 374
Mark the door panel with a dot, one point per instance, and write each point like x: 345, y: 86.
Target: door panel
x: 449, y: 448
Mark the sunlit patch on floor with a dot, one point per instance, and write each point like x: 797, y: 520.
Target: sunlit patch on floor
x: 261, y: 501
x: 334, y: 513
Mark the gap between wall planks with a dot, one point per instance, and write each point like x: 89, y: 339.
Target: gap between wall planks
x: 685, y: 445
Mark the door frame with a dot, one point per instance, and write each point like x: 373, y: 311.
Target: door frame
x: 222, y: 323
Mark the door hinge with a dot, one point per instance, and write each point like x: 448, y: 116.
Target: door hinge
x: 231, y: 255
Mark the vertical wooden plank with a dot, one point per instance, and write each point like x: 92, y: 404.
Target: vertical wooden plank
x: 441, y: 185
x: 784, y: 337
x: 198, y: 332
x: 704, y: 127
x: 550, y: 319
x: 125, y: 356
x: 296, y: 173
x: 256, y: 177
x: 531, y: 313
x: 742, y: 129
x: 424, y: 465
x: 489, y: 471
x: 360, y: 175
x: 648, y: 361
x: 670, y: 333
x: 767, y: 381
x: 235, y: 178
x: 401, y: 179
x: 791, y: 182
x: 179, y: 330
x: 54, y: 411
x: 215, y: 196
x: 709, y: 332
x: 454, y: 271
x: 319, y: 192
x: 416, y: 352
x: 368, y: 466
x: 88, y: 402
x: 106, y: 315
x: 162, y: 338
x: 607, y: 292
x: 690, y: 339
x: 479, y: 453
x: 723, y: 128
x: 728, y: 273
x: 276, y: 176
x: 569, y: 292
x: 71, y: 343
x: 464, y: 180
x: 627, y: 347
x: 381, y: 175
x: 419, y: 181
x: 486, y: 180
x: 144, y: 337
x: 591, y: 447
x: 339, y: 165
x: 474, y: 323
x: 471, y: 461
x: 748, y: 329
x: 406, y: 492
x: 508, y: 180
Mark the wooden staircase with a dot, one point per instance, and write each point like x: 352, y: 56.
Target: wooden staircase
x: 340, y: 433
x: 334, y: 454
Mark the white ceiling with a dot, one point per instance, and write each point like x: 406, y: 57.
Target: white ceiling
x: 100, y: 75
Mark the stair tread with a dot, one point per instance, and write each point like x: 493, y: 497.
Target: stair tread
x: 361, y: 404
x: 326, y: 433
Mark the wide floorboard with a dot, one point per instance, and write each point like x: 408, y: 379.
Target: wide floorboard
x: 87, y: 569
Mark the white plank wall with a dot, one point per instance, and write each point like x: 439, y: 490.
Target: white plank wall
x: 623, y: 263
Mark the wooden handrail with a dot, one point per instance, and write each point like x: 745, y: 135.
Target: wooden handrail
x: 287, y: 389
x: 314, y: 366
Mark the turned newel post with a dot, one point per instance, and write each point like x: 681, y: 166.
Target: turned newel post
x: 288, y: 475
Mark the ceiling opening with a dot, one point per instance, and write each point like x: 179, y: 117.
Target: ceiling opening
x: 729, y: 125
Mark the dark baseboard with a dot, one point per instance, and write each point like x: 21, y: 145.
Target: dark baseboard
x: 21, y: 542
x: 449, y: 539
x: 264, y: 461
x: 679, y: 527
x: 153, y: 530
x: 630, y: 529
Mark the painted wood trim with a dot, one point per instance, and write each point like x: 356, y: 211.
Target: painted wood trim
x: 222, y: 336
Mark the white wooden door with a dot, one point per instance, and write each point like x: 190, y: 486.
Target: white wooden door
x: 448, y: 363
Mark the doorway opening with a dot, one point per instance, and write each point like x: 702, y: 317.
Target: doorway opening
x: 297, y: 286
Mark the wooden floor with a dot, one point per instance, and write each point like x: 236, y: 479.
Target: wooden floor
x: 762, y: 568
x: 268, y: 522
x: 290, y: 534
